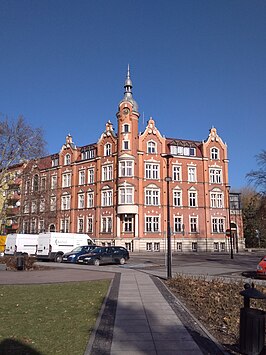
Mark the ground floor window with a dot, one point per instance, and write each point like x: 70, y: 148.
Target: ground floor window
x: 148, y: 246
x: 178, y: 224
x: 194, y: 246
x: 33, y: 226
x: 41, y: 226
x: 179, y: 246
x: 215, y: 246
x: 222, y: 246
x: 128, y: 223
x: 26, y: 227
x: 64, y: 225
x: 156, y: 246
x: 193, y: 224
x: 218, y: 225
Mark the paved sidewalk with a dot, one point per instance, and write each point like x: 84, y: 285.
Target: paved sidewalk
x: 145, y: 323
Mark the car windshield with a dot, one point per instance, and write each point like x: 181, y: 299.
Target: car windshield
x: 77, y: 249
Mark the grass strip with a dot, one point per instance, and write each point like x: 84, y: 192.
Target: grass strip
x: 50, y: 319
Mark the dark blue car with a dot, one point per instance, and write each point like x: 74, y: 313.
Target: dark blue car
x: 72, y: 256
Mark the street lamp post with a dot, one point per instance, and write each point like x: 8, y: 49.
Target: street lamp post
x: 169, y: 253
x: 230, y: 229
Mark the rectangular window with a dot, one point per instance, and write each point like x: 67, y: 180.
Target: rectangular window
x: 43, y: 183
x: 55, y: 162
x: 128, y: 224
x: 194, y: 246
x: 178, y: 223
x: 80, y: 225
x: 65, y: 204
x: 215, y: 176
x: 192, y: 175
x: 125, y: 145
x: 107, y: 172
x: 107, y: 198
x: 156, y: 246
x: 148, y: 246
x: 90, y: 199
x: 81, y: 201
x: 218, y: 225
x: 33, y: 226
x: 65, y: 225
x: 125, y: 168
x: 193, y: 224
x: 53, y: 203
x: 33, y: 207
x: 106, y: 224
x: 152, y: 171
x: 88, y: 154
x: 90, y: 225
x: 90, y: 176
x: 216, y: 200
x: 222, y: 246
x: 152, y: 224
x: 177, y: 198
x: 126, y: 195
x: 192, y: 199
x: 82, y: 177
x: 42, y: 205
x: 53, y: 182
x: 179, y: 246
x: 215, y: 246
x: 176, y: 173
x: 66, y: 180
x: 152, y: 197
x: 41, y: 226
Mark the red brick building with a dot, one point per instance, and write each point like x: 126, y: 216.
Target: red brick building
x: 116, y: 189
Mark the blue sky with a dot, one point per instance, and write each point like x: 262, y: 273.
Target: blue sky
x: 194, y: 64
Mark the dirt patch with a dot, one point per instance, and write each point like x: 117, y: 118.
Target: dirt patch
x: 216, y: 304
x: 28, y: 263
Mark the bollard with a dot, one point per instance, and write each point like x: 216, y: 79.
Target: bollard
x: 20, y: 262
x: 252, y: 323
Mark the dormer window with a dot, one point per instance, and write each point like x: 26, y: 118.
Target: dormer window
x: 126, y: 128
x: 107, y: 149
x: 214, y: 153
x: 55, y: 162
x: 67, y: 159
x: 151, y: 147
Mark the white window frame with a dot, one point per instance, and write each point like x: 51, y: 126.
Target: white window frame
x: 151, y: 147
x: 214, y: 153
x: 127, y: 223
x: 215, y: 175
x: 218, y: 225
x: 89, y: 224
x: 90, y: 175
x: 66, y: 180
x: 80, y: 225
x: 152, y: 224
x: 176, y: 172
x: 126, y: 195
x: 67, y: 160
x: 107, y: 198
x: 42, y: 205
x: 193, y: 221
x: 64, y: 225
x: 90, y: 199
x: 192, y: 174
x: 193, y: 198
x: 53, y: 182
x: 106, y: 224
x: 152, y: 171
x: 107, y: 149
x: 216, y: 199
x: 107, y: 172
x: 178, y: 224
x: 177, y: 197
x: 81, y: 200
x: 152, y: 196
x: 126, y: 168
x: 65, y: 202
x: 82, y: 177
x: 53, y: 203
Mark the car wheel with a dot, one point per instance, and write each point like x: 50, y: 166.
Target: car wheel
x: 122, y: 261
x: 96, y: 262
x: 58, y: 258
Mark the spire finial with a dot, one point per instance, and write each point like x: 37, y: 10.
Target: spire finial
x: 128, y: 92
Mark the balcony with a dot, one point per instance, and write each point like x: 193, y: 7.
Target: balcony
x: 130, y: 209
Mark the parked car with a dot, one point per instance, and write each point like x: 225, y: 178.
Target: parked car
x: 71, y: 257
x: 105, y: 255
x: 261, y: 267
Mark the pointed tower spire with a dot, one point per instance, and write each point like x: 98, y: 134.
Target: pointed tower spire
x: 128, y: 91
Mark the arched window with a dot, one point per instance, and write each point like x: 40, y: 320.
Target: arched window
x: 214, y: 153
x: 107, y: 149
x: 151, y: 147
x: 67, y: 159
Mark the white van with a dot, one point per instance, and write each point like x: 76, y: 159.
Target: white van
x: 21, y: 243
x: 52, y: 246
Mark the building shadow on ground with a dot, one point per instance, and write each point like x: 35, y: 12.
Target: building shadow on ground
x: 15, y: 347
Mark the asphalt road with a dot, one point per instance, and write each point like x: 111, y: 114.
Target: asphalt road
x: 206, y: 264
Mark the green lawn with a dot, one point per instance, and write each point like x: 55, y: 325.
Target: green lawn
x: 50, y: 319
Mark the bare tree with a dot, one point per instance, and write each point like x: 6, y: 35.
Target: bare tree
x: 19, y: 143
x: 258, y: 177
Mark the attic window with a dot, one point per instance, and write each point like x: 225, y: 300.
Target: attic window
x: 55, y: 162
x: 181, y: 150
x: 67, y: 159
